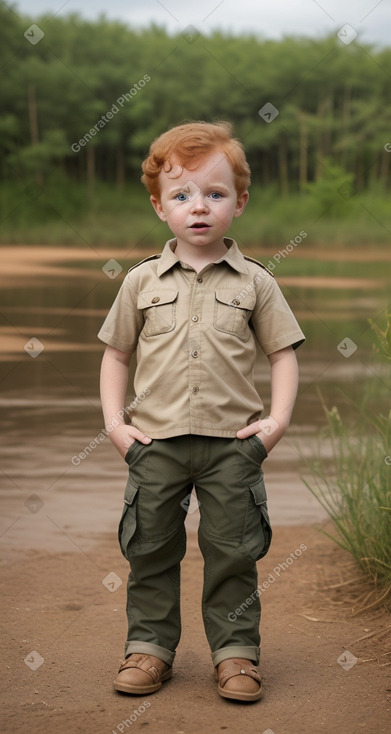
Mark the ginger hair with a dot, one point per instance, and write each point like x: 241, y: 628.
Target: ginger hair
x: 187, y: 144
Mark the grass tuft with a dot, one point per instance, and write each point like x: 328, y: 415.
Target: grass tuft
x: 353, y: 485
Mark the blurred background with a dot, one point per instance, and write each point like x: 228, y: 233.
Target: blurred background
x: 322, y: 163
x: 85, y: 88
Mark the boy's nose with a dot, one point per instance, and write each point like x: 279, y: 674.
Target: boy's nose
x: 199, y: 203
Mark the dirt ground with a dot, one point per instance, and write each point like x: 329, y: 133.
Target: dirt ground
x: 324, y: 669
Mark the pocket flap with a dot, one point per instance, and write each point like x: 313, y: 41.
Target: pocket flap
x: 236, y: 298
x: 130, y: 492
x: 157, y: 297
x: 258, y: 491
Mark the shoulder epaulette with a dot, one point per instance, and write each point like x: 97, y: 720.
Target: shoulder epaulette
x: 151, y: 257
x: 261, y: 265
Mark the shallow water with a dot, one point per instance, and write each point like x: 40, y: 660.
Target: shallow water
x: 50, y: 406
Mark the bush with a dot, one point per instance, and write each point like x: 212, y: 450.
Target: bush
x: 331, y: 194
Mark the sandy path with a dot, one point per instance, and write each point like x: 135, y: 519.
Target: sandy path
x: 59, y: 608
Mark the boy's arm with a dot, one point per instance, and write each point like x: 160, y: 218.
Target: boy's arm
x: 113, y: 384
x: 284, y: 382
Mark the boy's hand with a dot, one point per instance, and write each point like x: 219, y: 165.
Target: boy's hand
x: 122, y: 437
x: 268, y: 430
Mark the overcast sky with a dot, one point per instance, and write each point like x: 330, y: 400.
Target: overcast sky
x: 371, y: 19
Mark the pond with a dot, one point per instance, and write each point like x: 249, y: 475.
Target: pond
x: 53, y: 303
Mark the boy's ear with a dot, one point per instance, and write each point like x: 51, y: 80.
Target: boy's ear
x: 241, y: 203
x: 158, y: 208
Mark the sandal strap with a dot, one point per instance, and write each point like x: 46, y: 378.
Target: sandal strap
x: 232, y: 668
x: 143, y: 663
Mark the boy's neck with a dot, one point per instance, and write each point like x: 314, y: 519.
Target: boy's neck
x: 198, y: 257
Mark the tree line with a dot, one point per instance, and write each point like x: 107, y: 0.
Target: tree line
x: 83, y: 100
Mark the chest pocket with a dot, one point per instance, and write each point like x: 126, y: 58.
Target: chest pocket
x: 232, y: 312
x: 159, y: 310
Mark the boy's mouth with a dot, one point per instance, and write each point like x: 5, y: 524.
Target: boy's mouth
x: 199, y: 225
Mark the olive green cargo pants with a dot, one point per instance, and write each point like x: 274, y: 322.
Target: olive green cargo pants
x: 234, y: 532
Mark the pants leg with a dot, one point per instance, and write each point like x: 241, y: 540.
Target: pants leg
x: 152, y: 538
x: 234, y: 533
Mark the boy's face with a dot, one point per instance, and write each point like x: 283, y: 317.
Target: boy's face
x: 199, y: 205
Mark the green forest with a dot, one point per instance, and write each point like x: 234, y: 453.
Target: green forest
x: 82, y: 101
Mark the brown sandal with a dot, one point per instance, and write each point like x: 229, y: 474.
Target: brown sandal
x: 123, y: 681
x: 233, y: 667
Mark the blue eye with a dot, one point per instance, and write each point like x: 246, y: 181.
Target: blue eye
x: 215, y: 195
x: 181, y: 197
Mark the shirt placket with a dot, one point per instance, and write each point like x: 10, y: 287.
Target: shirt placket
x: 195, y: 350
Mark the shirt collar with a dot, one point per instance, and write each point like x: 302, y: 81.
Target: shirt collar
x: 233, y: 257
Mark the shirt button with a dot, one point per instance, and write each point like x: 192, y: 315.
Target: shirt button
x: 200, y: 280
x: 235, y: 302
x: 194, y: 318
x: 155, y: 299
x: 195, y: 390
x: 194, y: 353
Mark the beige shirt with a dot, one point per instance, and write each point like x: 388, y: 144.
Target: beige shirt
x: 195, y: 335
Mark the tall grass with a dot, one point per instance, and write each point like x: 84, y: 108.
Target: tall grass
x: 354, y: 485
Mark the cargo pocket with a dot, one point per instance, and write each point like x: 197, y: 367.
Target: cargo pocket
x: 232, y: 312
x: 128, y: 522
x: 258, y: 532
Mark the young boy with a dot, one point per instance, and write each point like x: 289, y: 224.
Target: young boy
x: 194, y: 314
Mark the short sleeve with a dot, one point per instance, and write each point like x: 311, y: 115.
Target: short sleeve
x: 124, y: 321
x: 274, y: 324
